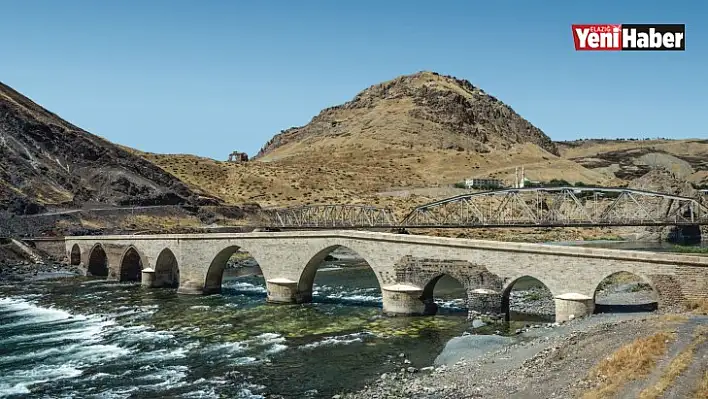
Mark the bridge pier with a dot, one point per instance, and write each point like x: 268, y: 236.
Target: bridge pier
x: 148, y: 278
x: 484, y: 301
x: 192, y: 288
x: 572, y: 306
x: 401, y: 299
x: 283, y: 290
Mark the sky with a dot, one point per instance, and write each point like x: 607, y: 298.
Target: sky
x: 211, y: 77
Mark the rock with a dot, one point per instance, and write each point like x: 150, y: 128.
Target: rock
x: 411, y: 369
x: 469, y: 347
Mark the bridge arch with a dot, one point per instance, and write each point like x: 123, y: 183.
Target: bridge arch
x: 215, y: 273
x: 428, y: 296
x: 536, y: 298
x: 306, y: 280
x: 131, y: 265
x: 75, y: 255
x: 166, y: 270
x: 625, y: 291
x: 97, y: 261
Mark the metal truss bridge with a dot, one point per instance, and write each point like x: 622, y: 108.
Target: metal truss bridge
x: 517, y: 207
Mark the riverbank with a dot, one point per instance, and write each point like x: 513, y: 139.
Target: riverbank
x: 564, y: 362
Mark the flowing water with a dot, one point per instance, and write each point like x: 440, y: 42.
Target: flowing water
x: 81, y: 337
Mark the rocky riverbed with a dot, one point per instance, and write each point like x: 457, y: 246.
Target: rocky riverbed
x: 25, y: 270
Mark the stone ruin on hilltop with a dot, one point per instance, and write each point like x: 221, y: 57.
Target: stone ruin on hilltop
x: 238, y: 156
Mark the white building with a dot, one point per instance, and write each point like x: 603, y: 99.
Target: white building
x: 483, y: 183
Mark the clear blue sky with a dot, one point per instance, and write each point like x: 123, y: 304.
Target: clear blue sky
x: 209, y: 77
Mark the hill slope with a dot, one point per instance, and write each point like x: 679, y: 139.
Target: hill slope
x: 45, y: 160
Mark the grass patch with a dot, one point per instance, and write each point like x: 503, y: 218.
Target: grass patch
x: 689, y: 249
x: 698, y: 306
x: 630, y: 362
x: 161, y: 222
x: 702, y: 389
x: 678, y: 365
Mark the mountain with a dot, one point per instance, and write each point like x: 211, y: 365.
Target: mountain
x: 420, y: 110
x: 410, y: 135
x: 45, y: 160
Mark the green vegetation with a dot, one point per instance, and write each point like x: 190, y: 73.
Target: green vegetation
x: 534, y: 296
x: 296, y: 321
x: 689, y: 249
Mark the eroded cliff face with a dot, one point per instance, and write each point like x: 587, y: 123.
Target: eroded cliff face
x: 45, y: 160
x: 423, y: 109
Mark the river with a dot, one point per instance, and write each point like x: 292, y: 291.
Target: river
x: 82, y: 337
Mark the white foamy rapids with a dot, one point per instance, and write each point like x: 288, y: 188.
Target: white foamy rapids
x: 19, y: 381
x: 337, y: 340
x: 452, y: 304
x: 246, y: 391
x: 206, y: 393
x: 137, y: 334
x: 172, y: 377
x: 329, y: 268
x: 360, y: 295
x: 30, y: 314
x: 227, y: 347
x: 160, y: 355
x: 242, y: 286
x: 266, y: 343
x: 74, y: 344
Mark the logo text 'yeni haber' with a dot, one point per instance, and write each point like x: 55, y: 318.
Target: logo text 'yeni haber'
x: 629, y: 37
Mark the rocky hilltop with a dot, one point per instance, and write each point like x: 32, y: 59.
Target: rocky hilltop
x: 423, y: 109
x: 45, y: 160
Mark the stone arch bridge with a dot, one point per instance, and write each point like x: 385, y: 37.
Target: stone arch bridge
x: 407, y: 267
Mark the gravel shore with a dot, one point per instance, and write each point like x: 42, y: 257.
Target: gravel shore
x: 540, y: 363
